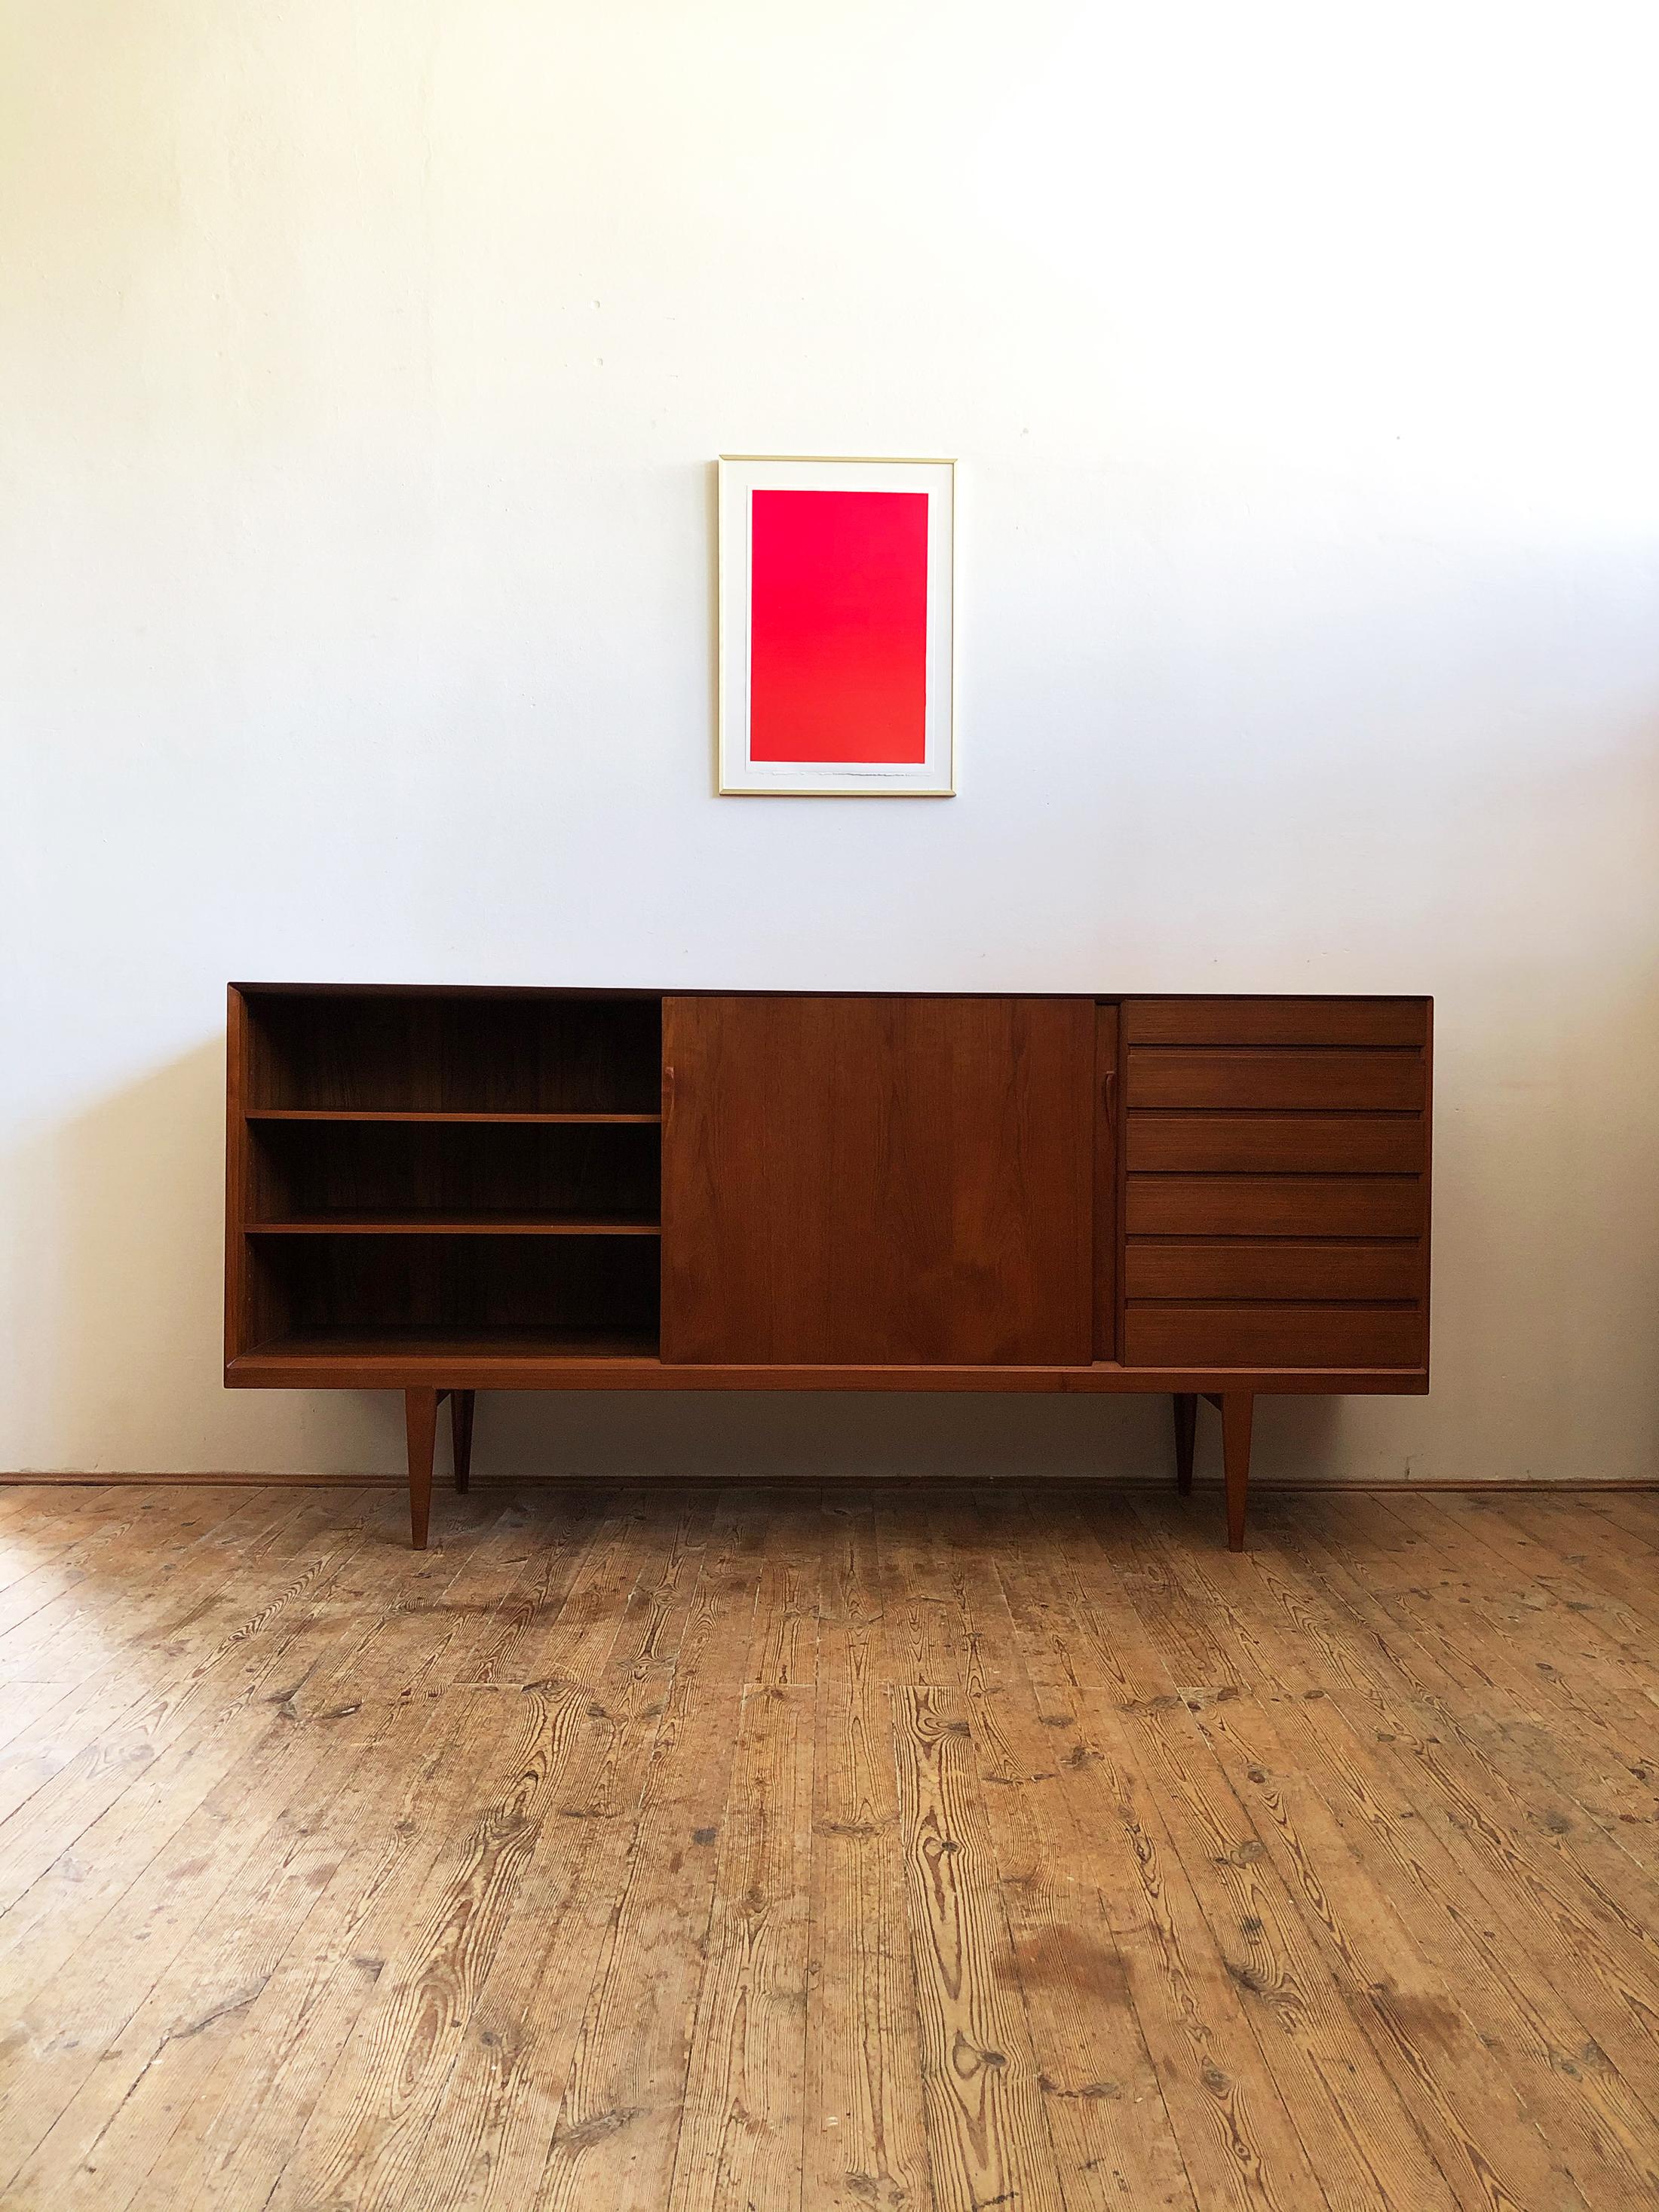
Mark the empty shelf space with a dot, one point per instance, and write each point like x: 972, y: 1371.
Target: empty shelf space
x: 408, y: 1175
x: 423, y: 1224
x: 439, y: 1054
x: 407, y: 1282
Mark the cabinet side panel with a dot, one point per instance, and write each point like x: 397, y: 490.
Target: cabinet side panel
x: 236, y: 1175
x: 1425, y: 1239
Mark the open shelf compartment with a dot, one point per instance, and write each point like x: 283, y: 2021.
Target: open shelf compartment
x: 461, y: 1176
x: 483, y: 1052
x: 444, y: 1172
x: 555, y: 1294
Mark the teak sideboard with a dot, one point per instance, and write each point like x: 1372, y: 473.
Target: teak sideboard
x: 444, y: 1191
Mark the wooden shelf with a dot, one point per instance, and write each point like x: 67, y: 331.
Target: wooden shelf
x: 354, y: 1114
x: 477, y: 1224
x: 333, y: 1344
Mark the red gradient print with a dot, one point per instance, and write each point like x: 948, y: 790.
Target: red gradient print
x: 838, y: 626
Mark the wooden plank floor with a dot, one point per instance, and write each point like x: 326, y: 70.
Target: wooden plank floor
x: 731, y: 1849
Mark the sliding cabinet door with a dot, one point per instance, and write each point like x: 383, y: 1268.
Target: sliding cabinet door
x: 878, y: 1181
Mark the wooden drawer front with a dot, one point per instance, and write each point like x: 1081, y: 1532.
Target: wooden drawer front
x: 1269, y: 1269
x: 1274, y: 1205
x: 1273, y: 1336
x: 1275, y: 1143
x: 1276, y: 1021
x: 1338, y: 1081
x: 1277, y: 1191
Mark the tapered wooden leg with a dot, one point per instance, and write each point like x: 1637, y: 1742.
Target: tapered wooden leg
x: 460, y: 1431
x: 1237, y: 1407
x: 420, y: 1420
x: 1186, y: 1424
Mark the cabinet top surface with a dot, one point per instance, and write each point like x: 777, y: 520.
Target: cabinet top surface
x: 779, y: 991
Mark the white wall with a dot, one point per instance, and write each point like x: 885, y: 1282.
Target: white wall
x: 360, y: 364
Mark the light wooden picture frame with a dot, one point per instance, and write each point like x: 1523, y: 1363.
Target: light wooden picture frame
x: 837, y: 626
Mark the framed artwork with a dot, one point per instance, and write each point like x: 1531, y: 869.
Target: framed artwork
x: 836, y: 626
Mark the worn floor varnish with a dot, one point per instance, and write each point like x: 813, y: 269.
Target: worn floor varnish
x: 900, y: 1849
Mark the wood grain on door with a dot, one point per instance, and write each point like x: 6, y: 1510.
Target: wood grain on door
x: 900, y: 1180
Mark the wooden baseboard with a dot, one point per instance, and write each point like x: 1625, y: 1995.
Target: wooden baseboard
x: 1466, y: 1488
x: 220, y: 1481
x: 1154, y: 1484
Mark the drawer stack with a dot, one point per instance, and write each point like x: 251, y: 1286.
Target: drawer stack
x: 1276, y: 1184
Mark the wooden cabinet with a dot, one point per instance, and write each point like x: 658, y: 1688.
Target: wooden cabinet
x: 442, y: 1191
